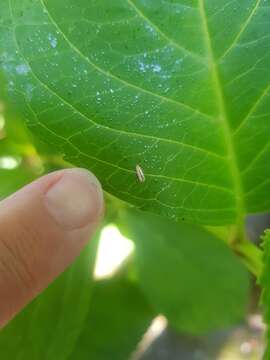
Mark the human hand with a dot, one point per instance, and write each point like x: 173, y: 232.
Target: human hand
x: 43, y: 228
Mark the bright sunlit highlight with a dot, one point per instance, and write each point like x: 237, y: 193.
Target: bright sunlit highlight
x: 113, y: 249
x: 156, y: 328
x: 9, y: 162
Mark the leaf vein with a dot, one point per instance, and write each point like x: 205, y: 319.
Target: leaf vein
x: 253, y: 108
x: 118, y: 79
x: 158, y: 30
x: 242, y: 30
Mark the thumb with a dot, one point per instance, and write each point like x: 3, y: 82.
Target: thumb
x: 43, y: 227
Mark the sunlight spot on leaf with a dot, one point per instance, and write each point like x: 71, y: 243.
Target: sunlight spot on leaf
x: 9, y: 162
x: 113, y: 249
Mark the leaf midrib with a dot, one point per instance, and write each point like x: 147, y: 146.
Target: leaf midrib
x: 232, y: 159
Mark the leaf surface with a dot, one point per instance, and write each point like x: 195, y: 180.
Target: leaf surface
x: 188, y: 274
x: 117, y: 320
x: 12, y: 180
x: 180, y: 88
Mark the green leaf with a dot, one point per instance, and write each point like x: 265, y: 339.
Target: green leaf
x: 187, y: 274
x: 265, y: 283
x: 13, y: 180
x: 49, y: 327
x: 118, y: 318
x: 179, y: 87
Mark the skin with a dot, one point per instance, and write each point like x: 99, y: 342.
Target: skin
x: 43, y: 228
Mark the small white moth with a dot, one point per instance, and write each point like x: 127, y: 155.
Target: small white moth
x: 140, y: 174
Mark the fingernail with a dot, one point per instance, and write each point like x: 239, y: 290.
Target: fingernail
x: 75, y: 200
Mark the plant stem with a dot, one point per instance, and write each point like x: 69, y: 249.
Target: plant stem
x: 250, y: 255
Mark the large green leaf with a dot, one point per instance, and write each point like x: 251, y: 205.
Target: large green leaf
x: 12, y: 180
x: 180, y: 87
x: 265, y: 283
x: 189, y: 275
x: 118, y: 318
x: 50, y: 326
